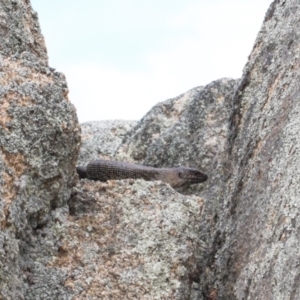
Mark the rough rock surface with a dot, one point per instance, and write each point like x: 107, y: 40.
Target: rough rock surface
x: 258, y: 238
x: 158, y: 121
x: 39, y: 143
x: 131, y: 240
x: 101, y: 139
x: 134, y: 239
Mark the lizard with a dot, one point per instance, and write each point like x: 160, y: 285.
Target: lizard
x: 104, y: 170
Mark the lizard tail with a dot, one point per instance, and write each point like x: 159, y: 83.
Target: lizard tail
x: 81, y: 171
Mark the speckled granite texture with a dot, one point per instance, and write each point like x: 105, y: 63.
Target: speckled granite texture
x: 234, y: 237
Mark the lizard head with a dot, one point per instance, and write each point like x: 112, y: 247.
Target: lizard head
x: 180, y: 176
x: 191, y: 175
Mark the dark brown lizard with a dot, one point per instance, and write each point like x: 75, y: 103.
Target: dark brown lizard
x: 104, y: 170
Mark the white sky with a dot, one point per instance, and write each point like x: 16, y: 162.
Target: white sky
x: 122, y: 57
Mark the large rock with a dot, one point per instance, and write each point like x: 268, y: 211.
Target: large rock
x: 154, y: 124
x: 39, y: 141
x: 256, y: 247
x: 131, y: 240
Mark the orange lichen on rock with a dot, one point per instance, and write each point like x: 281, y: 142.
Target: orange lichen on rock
x: 14, y: 161
x: 14, y: 168
x: 5, y: 103
x: 4, y: 116
x: 15, y: 72
x: 213, y: 295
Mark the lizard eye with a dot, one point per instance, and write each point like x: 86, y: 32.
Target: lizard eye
x: 180, y: 174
